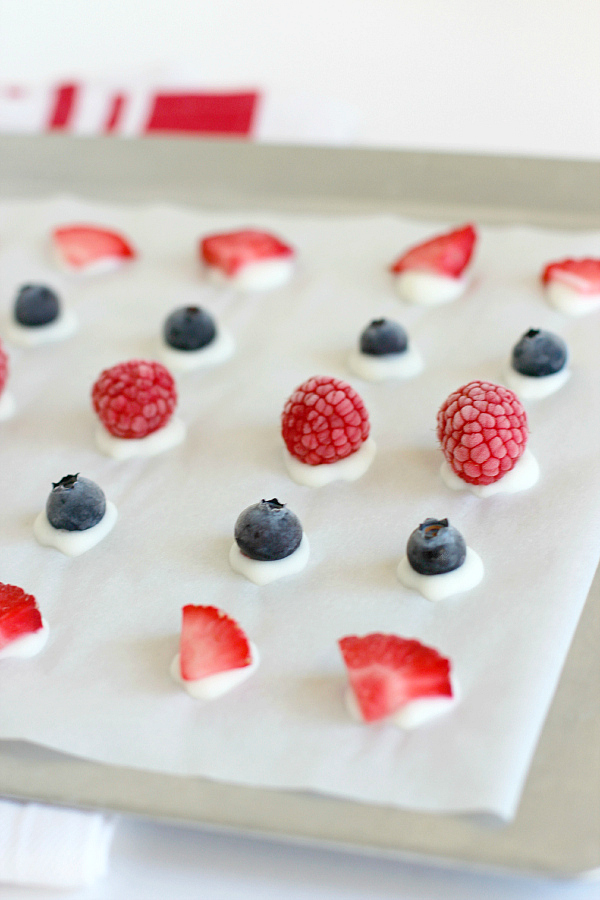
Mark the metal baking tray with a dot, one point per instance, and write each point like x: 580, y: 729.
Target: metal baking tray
x: 557, y: 829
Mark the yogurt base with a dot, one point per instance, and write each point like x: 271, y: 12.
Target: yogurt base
x: 349, y: 469
x: 440, y: 587
x: 427, y: 288
x: 172, y: 434
x: 391, y: 365
x: 220, y: 349
x: 7, y: 405
x: 520, y: 478
x: 257, y: 276
x: 531, y: 387
x: 216, y: 685
x: 567, y: 300
x: 27, y: 336
x: 27, y: 646
x: 74, y: 543
x: 265, y: 571
x: 414, y: 713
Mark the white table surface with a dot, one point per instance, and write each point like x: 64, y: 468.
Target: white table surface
x: 154, y: 862
x: 498, y: 78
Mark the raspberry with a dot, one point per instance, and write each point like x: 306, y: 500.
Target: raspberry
x: 134, y: 398
x: 324, y: 421
x: 483, y: 431
x: 3, y: 367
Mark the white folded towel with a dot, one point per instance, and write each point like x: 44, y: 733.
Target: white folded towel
x: 52, y: 847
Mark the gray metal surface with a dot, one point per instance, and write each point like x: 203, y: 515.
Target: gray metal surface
x: 557, y: 829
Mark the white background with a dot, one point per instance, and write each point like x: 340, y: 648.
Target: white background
x: 500, y: 77
x: 508, y: 77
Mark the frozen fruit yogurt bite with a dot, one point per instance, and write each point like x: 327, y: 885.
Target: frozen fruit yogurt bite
x: 396, y: 679
x: 434, y: 272
x: 248, y: 260
x: 191, y: 340
x: 77, y: 516
x: 269, y: 543
x: 572, y: 286
x: 89, y: 250
x: 135, y: 402
x: 38, y: 317
x: 7, y: 403
x: 538, y: 365
x: 384, y: 351
x: 325, y: 428
x: 214, y: 653
x: 483, y: 430
x: 438, y: 563
x: 23, y: 630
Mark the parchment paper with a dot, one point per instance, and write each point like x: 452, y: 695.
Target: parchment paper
x: 101, y: 689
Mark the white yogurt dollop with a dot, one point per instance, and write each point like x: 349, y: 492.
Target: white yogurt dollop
x: 27, y: 646
x: 567, y: 300
x: 531, y: 387
x: 522, y: 476
x: 172, y: 434
x: 7, y: 405
x: 389, y: 365
x: 348, y: 469
x: 427, y: 288
x: 265, y: 571
x: 27, y: 336
x: 440, y: 587
x: 257, y: 276
x: 220, y: 349
x: 412, y: 714
x: 74, y: 543
x: 215, y: 685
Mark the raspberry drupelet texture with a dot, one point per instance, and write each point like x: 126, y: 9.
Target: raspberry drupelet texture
x: 134, y: 398
x: 3, y: 367
x: 324, y: 421
x: 482, y: 428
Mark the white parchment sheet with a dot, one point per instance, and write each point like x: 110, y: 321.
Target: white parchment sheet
x: 101, y: 689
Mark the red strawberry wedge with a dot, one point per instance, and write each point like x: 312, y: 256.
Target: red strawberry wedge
x: 19, y: 615
x: 582, y: 275
x: 447, y: 255
x: 86, y: 248
x: 387, y: 672
x: 211, y: 642
x: 233, y: 250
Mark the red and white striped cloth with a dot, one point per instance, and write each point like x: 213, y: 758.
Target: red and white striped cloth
x: 93, y: 109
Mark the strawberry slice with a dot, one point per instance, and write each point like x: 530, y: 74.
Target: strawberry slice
x: 583, y: 275
x: 19, y: 614
x: 386, y: 672
x: 446, y: 254
x: 231, y: 251
x: 211, y: 642
x: 82, y: 246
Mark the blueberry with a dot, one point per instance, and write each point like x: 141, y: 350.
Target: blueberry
x: 75, y: 504
x: 36, y: 305
x: 382, y: 337
x: 539, y: 353
x: 189, y: 328
x: 436, y: 547
x: 268, y: 530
